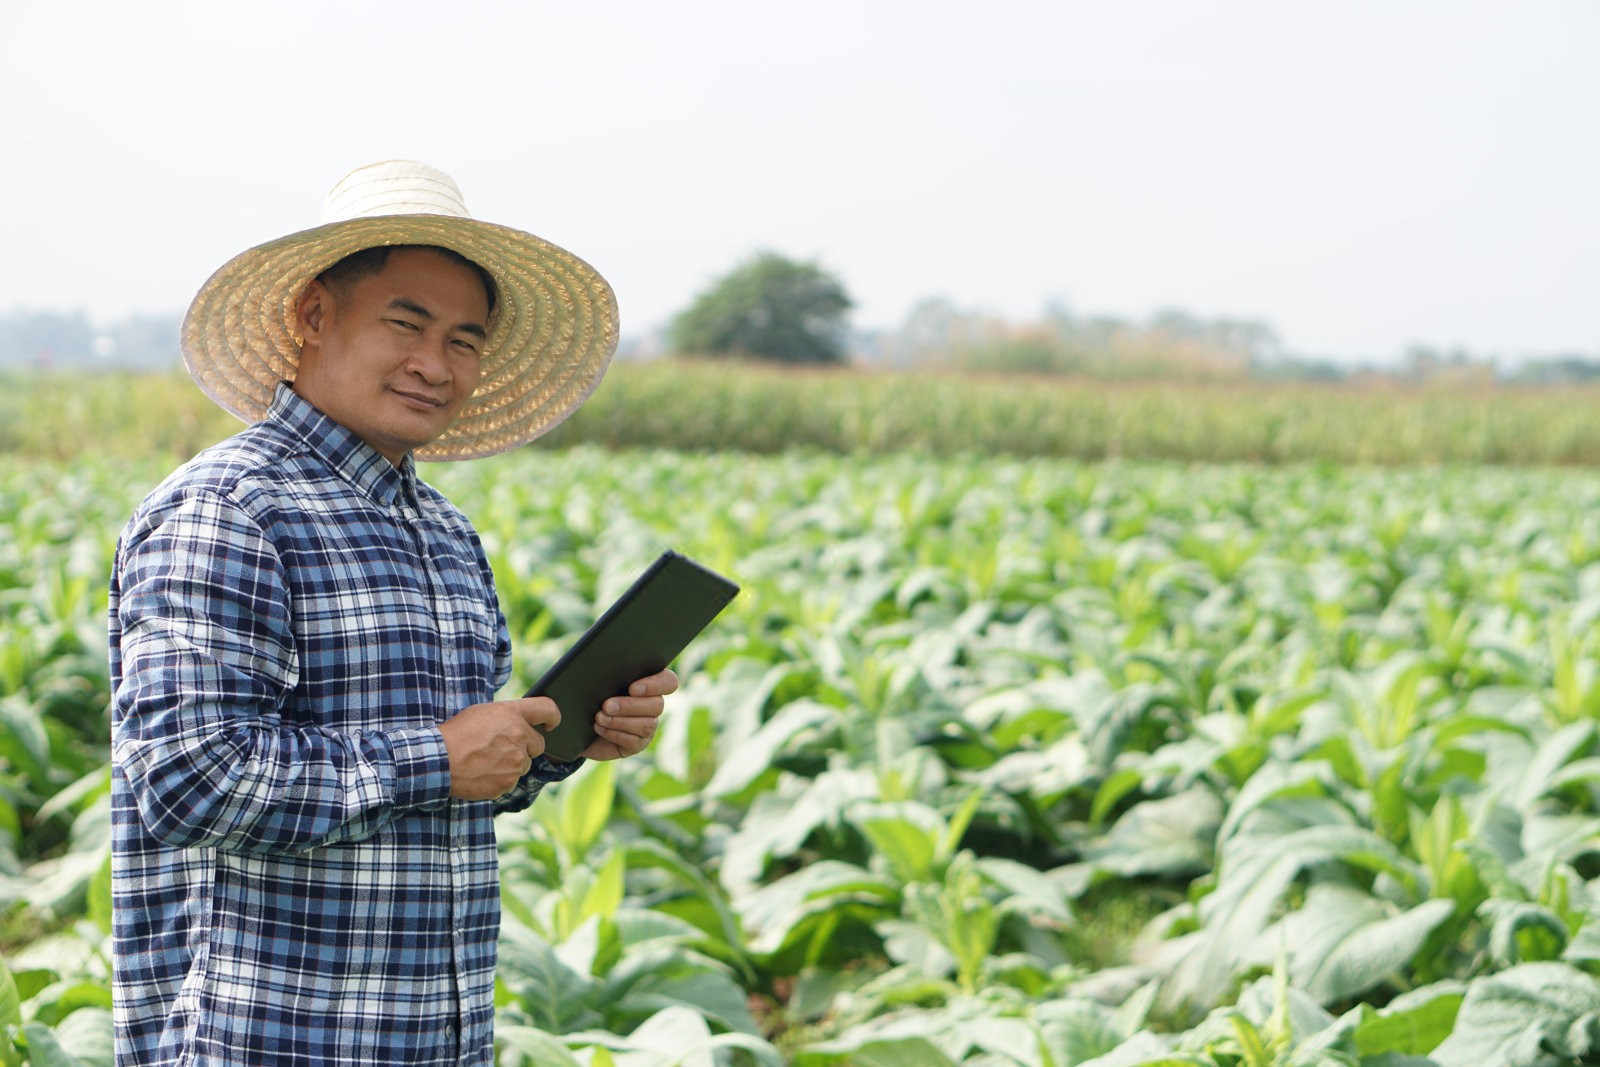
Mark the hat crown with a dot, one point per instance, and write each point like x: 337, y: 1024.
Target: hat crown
x: 393, y: 187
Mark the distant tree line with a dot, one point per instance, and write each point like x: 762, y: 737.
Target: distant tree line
x: 771, y: 307
x: 1174, y: 344
x: 774, y: 308
x: 1170, y: 343
x: 58, y: 340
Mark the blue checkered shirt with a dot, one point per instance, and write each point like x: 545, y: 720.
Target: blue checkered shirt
x: 291, y: 616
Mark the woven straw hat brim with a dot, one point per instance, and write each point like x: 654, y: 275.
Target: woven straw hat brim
x: 551, y: 335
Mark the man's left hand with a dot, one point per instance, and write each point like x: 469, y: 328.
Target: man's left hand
x: 625, y: 725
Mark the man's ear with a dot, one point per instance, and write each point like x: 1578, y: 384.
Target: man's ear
x: 313, y: 311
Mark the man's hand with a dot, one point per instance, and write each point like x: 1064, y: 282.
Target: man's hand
x: 625, y: 725
x: 492, y: 745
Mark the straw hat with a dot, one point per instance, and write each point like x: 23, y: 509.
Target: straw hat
x: 551, y: 334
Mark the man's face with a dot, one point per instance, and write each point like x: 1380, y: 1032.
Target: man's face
x: 393, y: 356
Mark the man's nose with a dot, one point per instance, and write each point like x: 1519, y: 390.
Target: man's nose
x: 430, y: 363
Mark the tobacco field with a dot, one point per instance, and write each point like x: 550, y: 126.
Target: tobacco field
x: 999, y: 762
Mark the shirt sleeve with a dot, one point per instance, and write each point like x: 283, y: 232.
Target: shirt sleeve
x: 209, y: 659
x: 544, y: 771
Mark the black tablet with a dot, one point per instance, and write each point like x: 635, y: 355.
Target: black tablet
x: 640, y: 634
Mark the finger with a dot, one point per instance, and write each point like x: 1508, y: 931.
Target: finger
x: 616, y: 726
x: 618, y: 746
x: 638, y: 707
x: 656, y: 685
x: 539, y: 712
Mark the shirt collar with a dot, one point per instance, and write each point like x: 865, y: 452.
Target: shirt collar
x: 352, y: 458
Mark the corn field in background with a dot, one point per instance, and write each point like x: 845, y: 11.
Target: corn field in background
x: 703, y: 406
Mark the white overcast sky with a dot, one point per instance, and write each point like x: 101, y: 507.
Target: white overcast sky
x: 1360, y: 174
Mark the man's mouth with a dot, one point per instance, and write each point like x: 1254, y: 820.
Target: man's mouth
x: 420, y: 398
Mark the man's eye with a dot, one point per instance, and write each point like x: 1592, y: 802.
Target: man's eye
x: 466, y: 346
x: 403, y: 324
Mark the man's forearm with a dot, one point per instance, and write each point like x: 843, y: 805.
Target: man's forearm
x: 263, y: 788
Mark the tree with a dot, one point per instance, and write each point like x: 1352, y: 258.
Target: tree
x: 769, y: 307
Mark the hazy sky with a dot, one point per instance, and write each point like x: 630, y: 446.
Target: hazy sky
x: 1360, y: 174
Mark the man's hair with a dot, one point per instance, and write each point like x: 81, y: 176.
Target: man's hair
x: 370, y: 261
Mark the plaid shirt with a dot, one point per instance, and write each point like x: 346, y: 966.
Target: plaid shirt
x: 291, y: 616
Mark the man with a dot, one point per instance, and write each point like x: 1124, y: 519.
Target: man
x: 306, y: 644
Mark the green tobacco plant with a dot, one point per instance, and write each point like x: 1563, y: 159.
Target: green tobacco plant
x: 989, y: 745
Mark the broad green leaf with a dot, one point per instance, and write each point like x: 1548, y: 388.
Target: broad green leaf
x: 1585, y: 944
x: 1254, y: 1048
x: 779, y: 823
x: 1077, y: 1030
x: 583, y: 804
x: 1257, y: 875
x: 1376, y: 949
x: 1555, y: 751
x: 605, y: 892
x: 1275, y: 780
x: 1520, y: 1016
x: 1015, y: 1039
x: 76, y: 798
x: 1414, y: 1025
x: 655, y: 977
x: 544, y: 1049
x: 10, y: 1000
x: 31, y: 980
x: 879, y: 1052
x: 912, y: 944
x: 1170, y: 836
x: 56, y: 1002
x: 677, y: 1037
x: 1521, y: 931
x: 646, y: 853
x: 593, y: 947
x: 1031, y: 892
x: 44, y: 1049
x: 100, y: 896
x: 555, y: 996
x: 956, y: 828
x: 905, y: 834
x: 1117, y: 785
x: 10, y: 1015
x: 86, y: 1036
x: 756, y: 754
x: 1344, y: 942
x: 677, y: 1034
x: 1145, y: 1050
x: 764, y: 1054
x: 772, y: 912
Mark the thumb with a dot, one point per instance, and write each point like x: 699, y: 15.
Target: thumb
x: 540, y: 713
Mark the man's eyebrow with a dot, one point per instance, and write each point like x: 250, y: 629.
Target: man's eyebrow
x: 400, y: 303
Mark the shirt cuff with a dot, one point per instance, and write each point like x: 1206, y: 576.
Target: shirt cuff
x: 421, y: 767
x: 545, y: 769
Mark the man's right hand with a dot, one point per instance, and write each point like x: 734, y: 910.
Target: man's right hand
x: 492, y: 745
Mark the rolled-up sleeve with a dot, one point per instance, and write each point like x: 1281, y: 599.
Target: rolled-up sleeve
x: 209, y: 660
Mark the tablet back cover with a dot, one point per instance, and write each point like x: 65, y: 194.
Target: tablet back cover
x: 640, y: 634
